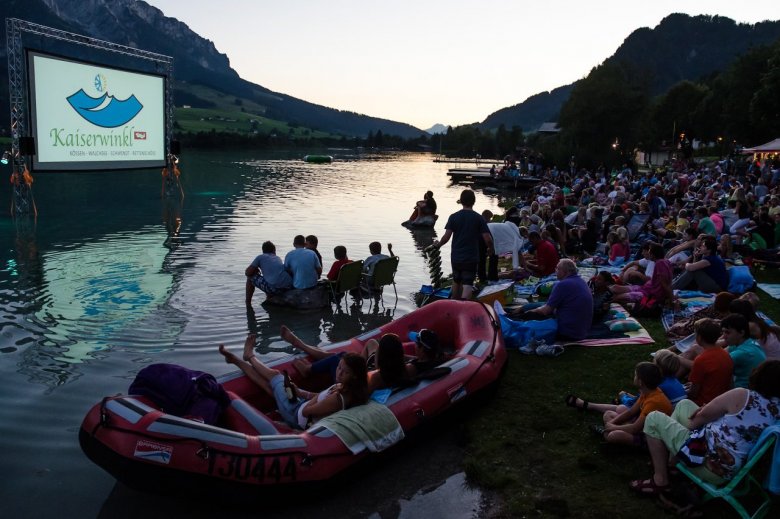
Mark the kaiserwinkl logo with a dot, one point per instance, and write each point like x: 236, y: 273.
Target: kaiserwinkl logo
x: 105, y: 111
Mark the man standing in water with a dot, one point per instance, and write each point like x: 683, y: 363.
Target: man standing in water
x: 469, y: 230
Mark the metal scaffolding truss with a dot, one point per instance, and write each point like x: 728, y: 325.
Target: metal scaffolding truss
x: 15, y: 29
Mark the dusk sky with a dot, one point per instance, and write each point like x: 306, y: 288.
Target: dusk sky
x: 425, y: 62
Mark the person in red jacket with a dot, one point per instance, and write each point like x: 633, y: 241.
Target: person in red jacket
x: 546, y: 256
x: 340, y: 252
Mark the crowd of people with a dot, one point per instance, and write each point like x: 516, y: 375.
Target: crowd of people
x: 676, y: 228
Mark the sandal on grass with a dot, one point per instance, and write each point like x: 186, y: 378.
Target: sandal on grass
x: 647, y: 487
x: 598, y: 430
x: 571, y: 401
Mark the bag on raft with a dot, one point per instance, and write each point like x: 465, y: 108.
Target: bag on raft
x: 181, y: 391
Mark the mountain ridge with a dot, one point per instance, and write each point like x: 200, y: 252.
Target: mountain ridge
x: 196, y: 60
x: 680, y: 47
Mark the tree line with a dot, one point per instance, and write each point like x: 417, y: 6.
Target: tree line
x: 609, y: 115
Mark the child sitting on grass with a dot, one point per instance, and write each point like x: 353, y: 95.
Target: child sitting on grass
x: 623, y: 425
x: 712, y: 371
x: 669, y: 364
x: 745, y: 352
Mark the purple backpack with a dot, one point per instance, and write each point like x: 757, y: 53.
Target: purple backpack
x: 182, y: 392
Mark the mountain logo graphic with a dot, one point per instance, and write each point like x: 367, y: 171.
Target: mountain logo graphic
x: 105, y: 111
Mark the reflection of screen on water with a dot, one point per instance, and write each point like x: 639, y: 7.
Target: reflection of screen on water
x: 636, y: 224
x: 87, y: 116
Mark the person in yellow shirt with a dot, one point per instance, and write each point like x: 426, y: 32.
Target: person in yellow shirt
x: 682, y: 221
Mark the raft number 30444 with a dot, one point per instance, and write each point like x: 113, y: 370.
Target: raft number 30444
x: 260, y: 468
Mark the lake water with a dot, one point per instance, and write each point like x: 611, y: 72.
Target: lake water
x: 112, y: 278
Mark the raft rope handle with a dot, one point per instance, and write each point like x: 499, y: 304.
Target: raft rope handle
x: 204, y: 452
x: 103, y: 422
x: 207, y: 450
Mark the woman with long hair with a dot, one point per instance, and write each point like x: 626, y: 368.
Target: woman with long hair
x: 300, y: 408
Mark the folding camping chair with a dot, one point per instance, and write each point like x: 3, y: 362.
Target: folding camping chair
x: 738, y: 486
x: 384, y: 274
x: 348, y: 281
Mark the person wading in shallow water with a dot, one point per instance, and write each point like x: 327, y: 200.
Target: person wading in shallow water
x: 467, y: 229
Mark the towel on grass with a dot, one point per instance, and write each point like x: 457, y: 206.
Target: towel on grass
x: 771, y: 289
x: 691, y: 302
x: 601, y: 335
x: 371, y: 426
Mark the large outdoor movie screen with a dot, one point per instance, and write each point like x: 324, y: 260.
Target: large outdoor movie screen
x: 86, y: 116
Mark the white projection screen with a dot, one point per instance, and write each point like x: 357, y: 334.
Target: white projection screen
x: 86, y: 116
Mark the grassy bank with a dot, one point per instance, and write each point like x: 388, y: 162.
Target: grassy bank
x: 539, y: 454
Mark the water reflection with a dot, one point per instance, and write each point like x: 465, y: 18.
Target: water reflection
x: 112, y: 278
x: 171, y: 215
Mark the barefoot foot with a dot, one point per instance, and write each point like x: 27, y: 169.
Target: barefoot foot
x: 230, y: 358
x: 249, y: 346
x: 289, y: 336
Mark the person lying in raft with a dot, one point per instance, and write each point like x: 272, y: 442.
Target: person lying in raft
x: 305, y: 407
x: 393, y: 367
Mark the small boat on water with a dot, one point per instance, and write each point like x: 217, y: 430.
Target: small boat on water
x: 422, y: 221
x: 318, y: 159
x: 144, y: 447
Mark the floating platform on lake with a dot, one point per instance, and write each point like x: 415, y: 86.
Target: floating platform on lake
x: 308, y: 299
x: 484, y: 177
x: 318, y: 159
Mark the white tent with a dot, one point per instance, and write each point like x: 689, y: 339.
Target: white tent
x: 769, y: 147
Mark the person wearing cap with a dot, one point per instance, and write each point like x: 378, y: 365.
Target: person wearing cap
x: 426, y: 350
x: 467, y: 229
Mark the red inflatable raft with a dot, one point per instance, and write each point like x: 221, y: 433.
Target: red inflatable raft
x: 146, y: 448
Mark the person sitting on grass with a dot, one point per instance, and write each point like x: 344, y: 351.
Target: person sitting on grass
x: 705, y: 269
x: 712, y: 370
x: 570, y: 302
x: 658, y: 288
x: 304, y: 407
x: 765, y: 334
x: 744, y: 351
x: 546, y: 256
x: 729, y: 426
x: 669, y: 364
x: 623, y: 425
x: 640, y: 271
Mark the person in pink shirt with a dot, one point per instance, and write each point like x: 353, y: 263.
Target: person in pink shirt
x: 717, y: 219
x: 659, y: 287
